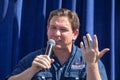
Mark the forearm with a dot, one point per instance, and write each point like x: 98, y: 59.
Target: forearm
x: 93, y: 71
x: 26, y: 75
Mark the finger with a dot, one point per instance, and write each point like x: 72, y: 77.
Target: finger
x: 89, y: 40
x: 82, y: 46
x: 85, y: 41
x: 95, y: 42
x: 43, y: 60
x: 41, y: 66
x: 52, y: 60
x: 103, y: 52
x: 44, y: 56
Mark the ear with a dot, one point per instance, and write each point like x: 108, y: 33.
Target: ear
x: 75, y: 34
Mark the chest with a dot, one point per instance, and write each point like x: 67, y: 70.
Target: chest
x: 74, y: 69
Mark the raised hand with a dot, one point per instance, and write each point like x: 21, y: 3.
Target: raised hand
x: 90, y: 50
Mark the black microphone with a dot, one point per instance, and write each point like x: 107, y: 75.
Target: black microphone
x: 50, y: 45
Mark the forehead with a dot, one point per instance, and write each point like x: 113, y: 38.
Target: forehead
x: 60, y: 20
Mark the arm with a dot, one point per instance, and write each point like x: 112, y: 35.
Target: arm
x: 91, y: 54
x: 26, y: 75
x: 41, y: 62
x: 93, y: 72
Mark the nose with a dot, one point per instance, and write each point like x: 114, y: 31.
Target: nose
x: 57, y: 33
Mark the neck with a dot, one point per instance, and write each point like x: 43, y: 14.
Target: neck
x: 62, y: 54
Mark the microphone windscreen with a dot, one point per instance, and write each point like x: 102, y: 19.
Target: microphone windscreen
x: 50, y: 45
x: 51, y: 41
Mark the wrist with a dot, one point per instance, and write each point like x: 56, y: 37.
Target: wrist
x: 34, y: 70
x: 92, y: 66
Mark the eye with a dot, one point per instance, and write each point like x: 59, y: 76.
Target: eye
x: 52, y: 27
x: 63, y: 29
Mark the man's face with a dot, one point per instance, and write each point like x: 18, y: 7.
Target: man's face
x: 60, y: 30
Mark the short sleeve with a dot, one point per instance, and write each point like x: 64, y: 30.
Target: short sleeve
x: 25, y: 63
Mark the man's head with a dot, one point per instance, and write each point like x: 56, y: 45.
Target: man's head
x: 63, y: 27
x: 72, y: 16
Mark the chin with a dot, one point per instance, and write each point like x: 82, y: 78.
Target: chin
x: 58, y: 46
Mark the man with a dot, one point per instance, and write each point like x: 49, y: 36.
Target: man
x: 67, y: 62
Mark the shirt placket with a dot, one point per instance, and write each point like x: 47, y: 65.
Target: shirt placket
x: 59, y: 73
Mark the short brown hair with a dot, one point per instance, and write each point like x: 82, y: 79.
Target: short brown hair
x: 73, y: 17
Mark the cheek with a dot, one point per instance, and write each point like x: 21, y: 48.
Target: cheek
x: 68, y: 36
x: 48, y: 33
x: 71, y: 37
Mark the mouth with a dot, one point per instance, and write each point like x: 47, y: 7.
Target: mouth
x: 58, y: 42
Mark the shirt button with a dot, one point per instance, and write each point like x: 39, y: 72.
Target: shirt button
x: 77, y: 78
x: 61, y: 69
x: 43, y: 77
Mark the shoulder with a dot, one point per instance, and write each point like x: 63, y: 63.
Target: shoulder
x: 25, y: 62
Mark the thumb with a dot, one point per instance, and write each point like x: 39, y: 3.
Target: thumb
x: 103, y: 52
x: 52, y: 60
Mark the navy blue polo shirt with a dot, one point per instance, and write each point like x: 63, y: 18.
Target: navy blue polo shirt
x: 73, y: 69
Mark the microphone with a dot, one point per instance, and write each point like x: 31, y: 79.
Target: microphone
x: 50, y: 45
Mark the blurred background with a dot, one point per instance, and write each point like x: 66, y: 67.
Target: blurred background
x: 23, y: 29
